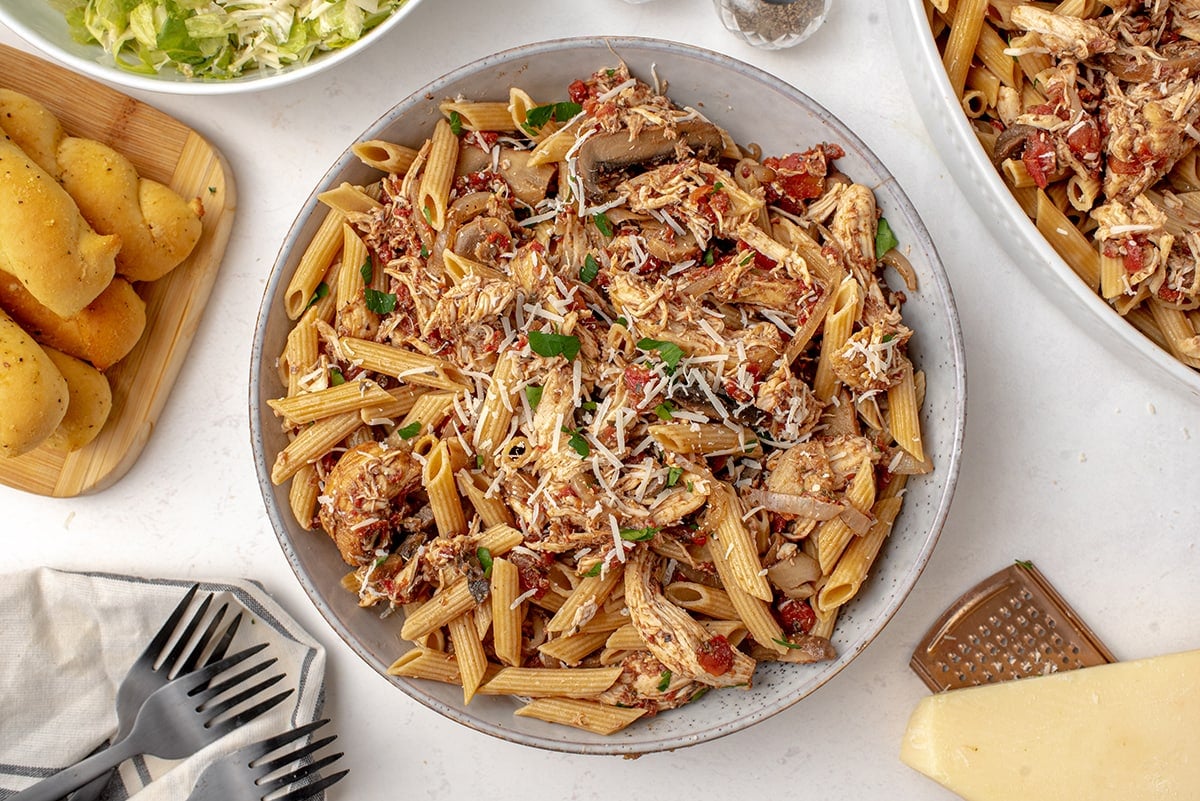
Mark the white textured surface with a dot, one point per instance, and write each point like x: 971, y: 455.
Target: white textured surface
x: 1073, y: 459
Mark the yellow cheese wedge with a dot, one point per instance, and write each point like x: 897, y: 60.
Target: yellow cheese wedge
x: 1129, y: 731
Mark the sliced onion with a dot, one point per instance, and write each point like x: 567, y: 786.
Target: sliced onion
x: 855, y: 520
x: 786, y: 503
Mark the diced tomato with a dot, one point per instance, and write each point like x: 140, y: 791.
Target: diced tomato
x: 531, y: 570
x: 1135, y: 253
x: 1169, y: 295
x: 715, y: 655
x: 1122, y: 167
x: 1084, y: 141
x: 1039, y: 160
x: 499, y: 240
x: 733, y: 390
x: 797, y: 617
x: 579, y: 91
x: 636, y: 379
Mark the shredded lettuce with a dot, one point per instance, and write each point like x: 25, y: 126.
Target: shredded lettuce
x: 220, y: 39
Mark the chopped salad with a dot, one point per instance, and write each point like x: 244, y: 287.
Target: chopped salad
x: 221, y: 39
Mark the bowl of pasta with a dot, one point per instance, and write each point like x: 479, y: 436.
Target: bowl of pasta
x: 217, y: 47
x: 1071, y: 133
x: 571, y: 404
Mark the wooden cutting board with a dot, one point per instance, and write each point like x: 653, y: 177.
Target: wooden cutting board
x: 166, y: 150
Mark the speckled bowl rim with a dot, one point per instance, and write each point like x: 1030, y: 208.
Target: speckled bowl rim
x: 987, y: 193
x: 946, y: 472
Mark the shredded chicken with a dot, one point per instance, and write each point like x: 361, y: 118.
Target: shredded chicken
x: 587, y: 358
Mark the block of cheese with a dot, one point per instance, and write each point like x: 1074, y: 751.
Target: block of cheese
x: 1129, y: 731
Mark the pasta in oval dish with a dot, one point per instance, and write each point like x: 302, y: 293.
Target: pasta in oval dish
x: 609, y: 405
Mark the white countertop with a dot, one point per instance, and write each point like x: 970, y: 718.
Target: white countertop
x: 1073, y: 459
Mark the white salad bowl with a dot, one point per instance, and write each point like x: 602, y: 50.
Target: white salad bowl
x: 733, y: 93
x: 42, y: 24
x: 978, y: 179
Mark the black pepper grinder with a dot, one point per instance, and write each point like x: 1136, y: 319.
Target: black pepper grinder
x: 772, y: 24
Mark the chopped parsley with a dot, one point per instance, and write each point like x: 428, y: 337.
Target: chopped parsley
x: 639, y: 534
x: 885, y: 240
x: 709, y: 257
x: 785, y: 643
x: 589, y: 406
x: 485, y: 561
x: 1025, y: 563
x: 479, y: 461
x: 664, y: 409
x: 550, y: 345
x: 577, y: 442
x: 537, y: 117
x: 367, y: 271
x: 456, y: 123
x: 409, y: 431
x: 321, y: 291
x: 664, y: 681
x: 673, y: 475
x: 533, y: 393
x: 594, y: 570
x: 380, y: 302
x: 603, y: 223
x: 428, y: 214
x: 621, y: 321
x: 669, y: 352
x: 336, y: 377
x: 589, y: 270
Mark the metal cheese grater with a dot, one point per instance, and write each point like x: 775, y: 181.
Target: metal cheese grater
x: 1009, y: 626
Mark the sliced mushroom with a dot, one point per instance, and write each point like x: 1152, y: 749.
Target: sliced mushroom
x: 666, y: 246
x: 1010, y: 142
x: 481, y: 239
x: 607, y: 156
x: 795, y: 575
x: 1176, y: 57
x: 529, y: 184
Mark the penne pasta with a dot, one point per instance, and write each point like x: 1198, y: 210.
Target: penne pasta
x: 576, y: 479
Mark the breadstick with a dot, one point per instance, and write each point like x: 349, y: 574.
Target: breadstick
x: 45, y: 242
x: 102, y: 333
x: 158, y: 228
x: 33, y: 392
x: 89, y: 400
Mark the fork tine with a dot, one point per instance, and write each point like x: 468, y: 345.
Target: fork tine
x: 200, y: 677
x: 213, y: 690
x: 155, y: 647
x: 266, y: 768
x: 302, y: 772
x: 214, y: 708
x: 172, y: 659
x: 261, y: 749
x: 191, y: 661
x: 309, y: 790
x: 247, y: 715
x: 222, y: 646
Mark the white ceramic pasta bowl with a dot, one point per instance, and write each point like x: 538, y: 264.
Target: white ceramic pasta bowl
x: 728, y: 90
x: 951, y: 133
x: 41, y: 24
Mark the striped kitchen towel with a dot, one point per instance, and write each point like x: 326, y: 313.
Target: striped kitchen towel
x: 67, y: 640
